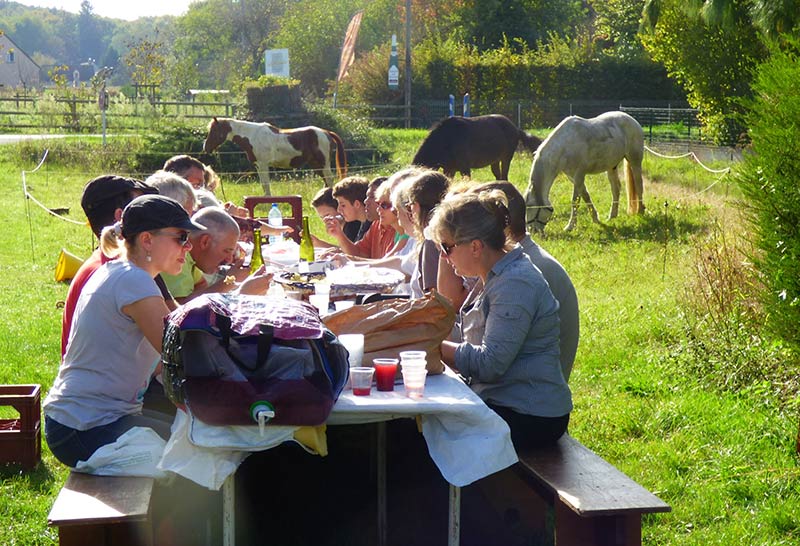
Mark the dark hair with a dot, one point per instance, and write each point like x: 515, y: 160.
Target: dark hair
x: 181, y: 163
x: 516, y: 204
x: 427, y: 190
x: 324, y: 197
x: 102, y: 213
x: 352, y: 188
x: 377, y: 181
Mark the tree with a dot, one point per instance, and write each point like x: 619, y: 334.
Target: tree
x: 313, y: 32
x: 768, y: 179
x: 713, y: 61
x: 616, y: 25
x: 219, y: 42
x: 147, y: 62
x: 489, y: 24
x: 90, y: 39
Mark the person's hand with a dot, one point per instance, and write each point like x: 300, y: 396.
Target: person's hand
x: 334, y: 225
x: 268, y: 230
x: 329, y: 253
x: 339, y: 259
x: 257, y: 283
x: 235, y: 210
x: 238, y: 271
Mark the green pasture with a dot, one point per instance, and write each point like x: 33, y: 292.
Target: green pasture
x: 647, y: 398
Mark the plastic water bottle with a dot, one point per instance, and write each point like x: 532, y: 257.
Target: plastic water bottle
x: 275, y: 219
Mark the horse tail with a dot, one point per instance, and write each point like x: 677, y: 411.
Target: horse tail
x: 530, y: 142
x: 341, y: 155
x: 634, y: 199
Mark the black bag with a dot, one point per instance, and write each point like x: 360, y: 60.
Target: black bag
x: 227, y: 356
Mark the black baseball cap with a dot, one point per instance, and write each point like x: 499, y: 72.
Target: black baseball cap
x: 100, y: 189
x: 150, y: 212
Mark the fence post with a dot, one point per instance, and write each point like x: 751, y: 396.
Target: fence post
x: 466, y: 105
x: 519, y: 114
x: 451, y: 105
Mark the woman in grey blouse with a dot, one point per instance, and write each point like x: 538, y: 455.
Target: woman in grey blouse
x: 514, y: 366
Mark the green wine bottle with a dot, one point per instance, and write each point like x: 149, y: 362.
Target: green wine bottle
x: 306, y: 246
x: 257, y: 260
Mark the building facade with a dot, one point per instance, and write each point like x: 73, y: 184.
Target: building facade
x: 17, y: 69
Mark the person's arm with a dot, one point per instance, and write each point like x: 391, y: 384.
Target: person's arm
x: 148, y: 314
x: 448, y: 350
x: 334, y: 228
x: 450, y: 285
x: 512, y: 308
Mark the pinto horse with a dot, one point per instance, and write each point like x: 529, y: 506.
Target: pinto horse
x: 461, y: 144
x: 578, y: 147
x: 266, y: 145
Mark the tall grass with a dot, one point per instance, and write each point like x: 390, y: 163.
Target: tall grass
x: 696, y: 415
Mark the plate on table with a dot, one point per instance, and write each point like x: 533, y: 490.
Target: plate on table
x: 346, y: 281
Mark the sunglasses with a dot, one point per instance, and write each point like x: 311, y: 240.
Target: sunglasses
x: 384, y: 205
x: 447, y: 249
x: 182, y: 237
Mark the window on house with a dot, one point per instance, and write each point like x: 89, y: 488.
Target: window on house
x: 10, y: 56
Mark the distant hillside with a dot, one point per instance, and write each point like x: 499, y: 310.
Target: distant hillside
x: 56, y: 37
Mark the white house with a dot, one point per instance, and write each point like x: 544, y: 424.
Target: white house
x: 17, y: 69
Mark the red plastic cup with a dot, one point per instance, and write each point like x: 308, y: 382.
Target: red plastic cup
x: 385, y: 372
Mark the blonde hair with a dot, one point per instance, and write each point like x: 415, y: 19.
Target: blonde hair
x: 469, y: 216
x: 384, y: 191
x: 211, y: 178
x: 112, y: 242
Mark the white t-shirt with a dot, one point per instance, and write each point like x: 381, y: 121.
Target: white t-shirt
x: 108, y: 363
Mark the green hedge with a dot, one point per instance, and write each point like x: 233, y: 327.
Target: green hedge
x: 769, y: 182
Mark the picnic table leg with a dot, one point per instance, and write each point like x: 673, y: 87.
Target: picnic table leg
x: 381, y: 481
x: 454, y: 517
x: 229, y: 511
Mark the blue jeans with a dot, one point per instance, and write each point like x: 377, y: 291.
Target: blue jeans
x: 70, y: 445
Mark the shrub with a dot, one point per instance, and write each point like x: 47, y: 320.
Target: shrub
x: 769, y: 185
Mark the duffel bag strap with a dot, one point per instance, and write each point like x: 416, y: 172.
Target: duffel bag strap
x: 266, y: 333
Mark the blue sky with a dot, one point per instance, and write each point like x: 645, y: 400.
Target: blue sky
x: 118, y: 9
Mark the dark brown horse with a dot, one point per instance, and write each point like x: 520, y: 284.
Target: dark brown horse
x: 462, y: 144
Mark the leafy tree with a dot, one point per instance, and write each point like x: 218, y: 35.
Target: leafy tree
x: 90, y: 39
x: 147, y: 62
x: 313, y: 32
x: 616, y: 27
x: 219, y: 42
x: 489, y: 24
x: 713, y: 62
x: 768, y: 179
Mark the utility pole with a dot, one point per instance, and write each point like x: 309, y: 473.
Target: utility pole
x: 408, y: 64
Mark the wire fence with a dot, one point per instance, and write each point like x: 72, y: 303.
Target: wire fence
x: 662, y: 121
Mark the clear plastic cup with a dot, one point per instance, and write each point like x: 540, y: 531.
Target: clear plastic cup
x: 361, y: 380
x: 414, y: 382
x: 413, y: 355
x: 385, y: 372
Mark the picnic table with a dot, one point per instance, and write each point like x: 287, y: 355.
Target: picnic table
x: 465, y: 439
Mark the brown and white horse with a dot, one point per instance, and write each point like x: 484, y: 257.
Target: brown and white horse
x: 267, y: 145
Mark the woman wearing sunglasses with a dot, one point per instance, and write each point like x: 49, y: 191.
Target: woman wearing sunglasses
x: 115, y: 339
x: 512, y: 361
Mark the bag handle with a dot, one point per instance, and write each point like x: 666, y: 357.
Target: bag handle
x: 266, y: 333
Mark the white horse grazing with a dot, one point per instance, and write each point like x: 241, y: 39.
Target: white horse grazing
x: 265, y: 145
x: 578, y: 147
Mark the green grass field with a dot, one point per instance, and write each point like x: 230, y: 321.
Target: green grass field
x: 644, y: 400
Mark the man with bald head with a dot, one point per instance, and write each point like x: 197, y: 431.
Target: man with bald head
x: 215, y: 247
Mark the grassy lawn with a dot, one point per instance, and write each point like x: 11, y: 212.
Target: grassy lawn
x: 723, y: 458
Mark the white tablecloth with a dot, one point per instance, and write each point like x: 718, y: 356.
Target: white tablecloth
x: 465, y: 438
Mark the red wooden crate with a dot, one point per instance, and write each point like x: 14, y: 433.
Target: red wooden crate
x: 21, y: 439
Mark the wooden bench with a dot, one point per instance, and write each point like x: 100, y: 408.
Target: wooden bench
x: 103, y: 511
x: 592, y: 502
